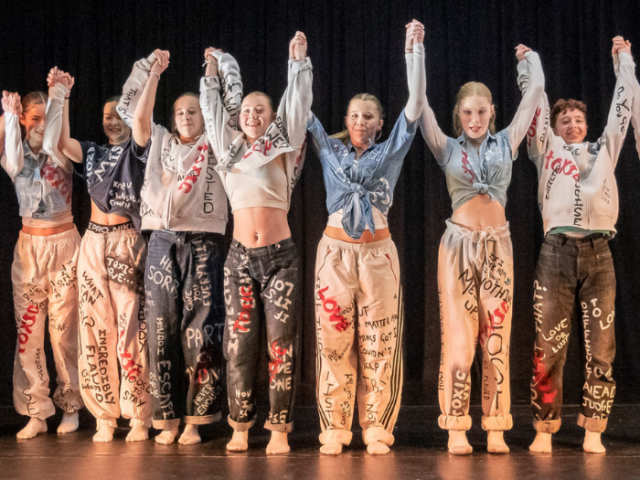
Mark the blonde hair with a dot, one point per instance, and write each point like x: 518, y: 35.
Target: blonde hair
x: 343, y: 136
x: 470, y: 89
x: 28, y: 101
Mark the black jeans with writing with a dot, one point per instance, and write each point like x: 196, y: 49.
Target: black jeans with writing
x: 261, y: 283
x: 572, y: 269
x: 184, y: 296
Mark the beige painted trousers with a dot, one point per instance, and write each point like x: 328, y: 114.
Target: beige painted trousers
x: 45, y: 284
x: 113, y: 327
x: 475, y: 283
x: 359, y: 317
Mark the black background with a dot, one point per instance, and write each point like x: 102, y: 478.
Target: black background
x: 355, y: 46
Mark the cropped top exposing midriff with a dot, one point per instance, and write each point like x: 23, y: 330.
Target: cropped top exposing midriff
x: 488, y: 170
x: 265, y: 186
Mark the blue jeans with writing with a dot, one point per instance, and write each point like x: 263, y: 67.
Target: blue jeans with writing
x: 261, y: 283
x: 570, y: 269
x: 184, y: 297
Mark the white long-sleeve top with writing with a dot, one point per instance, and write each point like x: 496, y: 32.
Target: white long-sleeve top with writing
x: 577, y: 186
x: 182, y: 190
x: 262, y: 174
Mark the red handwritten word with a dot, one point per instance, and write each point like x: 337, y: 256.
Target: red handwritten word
x: 194, y: 173
x: 56, y: 178
x: 466, y: 166
x: 531, y: 133
x: 542, y: 379
x: 498, y: 313
x: 248, y: 302
x: 131, y: 369
x: 23, y: 337
x: 331, y: 306
x: 256, y: 148
x: 278, y: 354
x: 566, y: 168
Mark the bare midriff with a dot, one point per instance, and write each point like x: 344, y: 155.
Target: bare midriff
x: 479, y: 213
x: 260, y: 226
x: 101, y: 218
x: 45, y: 232
x: 367, y: 236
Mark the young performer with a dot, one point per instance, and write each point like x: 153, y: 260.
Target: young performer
x: 475, y: 263
x: 578, y: 197
x: 259, y: 167
x: 184, y: 207
x: 110, y: 267
x: 359, y: 309
x: 44, y: 264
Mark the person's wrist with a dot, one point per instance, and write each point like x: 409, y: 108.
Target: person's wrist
x: 155, y: 73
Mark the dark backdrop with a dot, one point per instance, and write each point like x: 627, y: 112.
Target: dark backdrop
x: 355, y: 46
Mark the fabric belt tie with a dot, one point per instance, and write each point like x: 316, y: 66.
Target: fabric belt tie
x: 482, y: 239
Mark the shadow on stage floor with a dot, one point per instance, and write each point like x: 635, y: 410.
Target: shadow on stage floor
x: 419, y: 453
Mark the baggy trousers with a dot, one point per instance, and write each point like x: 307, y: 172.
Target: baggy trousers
x: 475, y: 283
x: 359, y: 319
x: 185, y: 310
x: 261, y: 285
x: 113, y: 327
x: 569, y: 268
x: 45, y: 284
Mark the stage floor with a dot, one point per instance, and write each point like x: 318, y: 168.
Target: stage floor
x: 418, y: 454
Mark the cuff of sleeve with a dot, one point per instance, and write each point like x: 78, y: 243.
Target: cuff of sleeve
x: 625, y: 59
x: 209, y: 83
x: 147, y: 63
x: 418, y: 48
x: 523, y: 66
x: 58, y: 92
x: 299, y: 65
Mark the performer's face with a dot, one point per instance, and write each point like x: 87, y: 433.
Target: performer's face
x: 188, y: 117
x: 114, y: 127
x: 475, y: 114
x: 363, y: 122
x: 571, y: 125
x: 256, y: 115
x: 33, y: 121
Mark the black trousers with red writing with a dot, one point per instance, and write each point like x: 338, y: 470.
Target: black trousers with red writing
x: 572, y: 269
x: 261, y: 285
x: 183, y: 287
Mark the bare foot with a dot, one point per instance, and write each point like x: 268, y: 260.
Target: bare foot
x: 458, y: 443
x: 69, y: 423
x: 104, y: 434
x: 331, y: 448
x: 138, y: 433
x: 190, y: 435
x: 377, y: 448
x: 167, y: 436
x: 33, y: 428
x: 593, y: 442
x: 496, y: 443
x: 278, y: 444
x: 239, y: 441
x: 542, y: 443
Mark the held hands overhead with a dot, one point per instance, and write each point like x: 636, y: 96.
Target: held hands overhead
x: 161, y: 63
x: 620, y: 45
x: 520, y: 51
x: 11, y: 103
x: 415, y: 34
x: 298, y: 47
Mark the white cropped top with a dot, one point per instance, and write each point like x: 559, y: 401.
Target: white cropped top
x: 379, y: 220
x: 265, y: 186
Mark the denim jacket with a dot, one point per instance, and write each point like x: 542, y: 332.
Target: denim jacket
x: 357, y: 187
x: 43, y: 185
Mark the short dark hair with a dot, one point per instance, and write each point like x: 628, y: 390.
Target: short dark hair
x: 563, y: 105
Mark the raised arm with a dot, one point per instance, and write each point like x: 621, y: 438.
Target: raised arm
x: 529, y: 62
x: 141, y: 121
x: 295, y: 104
x: 620, y: 112
x: 220, y: 100
x: 416, y: 75
x: 60, y: 84
x: 431, y: 132
x: 13, y: 158
x: 67, y: 145
x: 2, y: 133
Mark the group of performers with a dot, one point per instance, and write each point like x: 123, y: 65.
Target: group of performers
x: 160, y: 329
